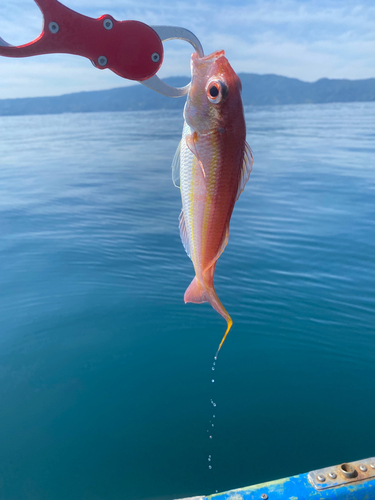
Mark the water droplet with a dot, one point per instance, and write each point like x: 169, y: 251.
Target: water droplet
x: 213, y: 416
x: 210, y: 466
x: 212, y: 425
x: 213, y: 380
x: 213, y: 368
x: 209, y: 459
x: 214, y: 404
x: 215, y: 358
x: 210, y: 437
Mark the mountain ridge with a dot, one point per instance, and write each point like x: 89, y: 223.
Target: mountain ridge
x: 257, y: 90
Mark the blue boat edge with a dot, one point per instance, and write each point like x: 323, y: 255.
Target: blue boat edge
x: 348, y: 481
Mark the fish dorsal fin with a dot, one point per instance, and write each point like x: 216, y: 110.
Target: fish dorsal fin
x: 223, y: 244
x: 176, y: 166
x: 184, y: 234
x: 247, y: 167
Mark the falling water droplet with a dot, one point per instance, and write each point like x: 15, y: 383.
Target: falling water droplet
x: 211, y: 424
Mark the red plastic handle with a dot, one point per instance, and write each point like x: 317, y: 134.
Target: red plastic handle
x: 130, y: 49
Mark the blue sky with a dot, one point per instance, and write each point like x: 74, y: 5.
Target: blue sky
x: 297, y: 38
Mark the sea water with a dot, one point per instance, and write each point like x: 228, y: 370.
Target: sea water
x: 105, y: 373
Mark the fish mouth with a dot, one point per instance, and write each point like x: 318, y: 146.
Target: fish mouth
x: 197, y: 61
x: 202, y: 66
x: 202, y: 69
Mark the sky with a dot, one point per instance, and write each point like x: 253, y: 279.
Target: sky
x: 305, y: 39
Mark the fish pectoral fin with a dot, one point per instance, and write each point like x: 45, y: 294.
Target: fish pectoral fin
x: 184, y: 234
x: 176, y: 163
x: 190, y: 142
x: 246, y: 169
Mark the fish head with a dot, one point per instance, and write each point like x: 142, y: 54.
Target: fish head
x: 215, y: 93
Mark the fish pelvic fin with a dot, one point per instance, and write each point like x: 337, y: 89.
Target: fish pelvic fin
x: 198, y: 293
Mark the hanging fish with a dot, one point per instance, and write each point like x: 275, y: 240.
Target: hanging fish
x: 211, y: 166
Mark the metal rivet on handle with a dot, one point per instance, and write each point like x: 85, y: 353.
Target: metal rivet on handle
x: 321, y: 478
x: 332, y: 475
x: 53, y: 27
x: 264, y: 496
x: 155, y: 57
x: 373, y: 466
x: 108, y: 24
x: 102, y: 61
x: 363, y: 468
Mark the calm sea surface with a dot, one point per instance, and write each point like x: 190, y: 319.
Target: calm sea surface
x: 105, y: 374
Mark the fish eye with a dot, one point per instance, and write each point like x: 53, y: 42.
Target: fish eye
x: 216, y: 91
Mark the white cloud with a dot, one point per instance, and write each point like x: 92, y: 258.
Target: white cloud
x: 303, y: 39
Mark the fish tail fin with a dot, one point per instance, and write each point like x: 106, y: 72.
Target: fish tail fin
x: 195, y: 293
x: 199, y: 293
x: 229, y: 326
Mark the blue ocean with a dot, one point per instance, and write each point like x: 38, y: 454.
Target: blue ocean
x: 106, y: 375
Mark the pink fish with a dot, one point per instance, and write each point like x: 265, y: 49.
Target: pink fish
x: 211, y: 166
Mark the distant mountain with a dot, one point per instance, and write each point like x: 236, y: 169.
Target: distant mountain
x: 272, y: 89
x: 258, y: 90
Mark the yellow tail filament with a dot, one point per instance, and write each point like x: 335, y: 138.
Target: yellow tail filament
x: 230, y: 323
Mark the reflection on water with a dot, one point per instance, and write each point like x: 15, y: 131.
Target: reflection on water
x: 105, y: 373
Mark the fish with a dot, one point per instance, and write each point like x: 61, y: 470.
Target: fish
x: 211, y: 167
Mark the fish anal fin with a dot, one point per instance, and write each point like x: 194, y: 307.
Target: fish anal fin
x: 191, y: 144
x: 246, y: 169
x: 184, y: 234
x: 176, y: 166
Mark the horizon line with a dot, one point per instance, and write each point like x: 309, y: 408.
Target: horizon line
x: 135, y: 84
